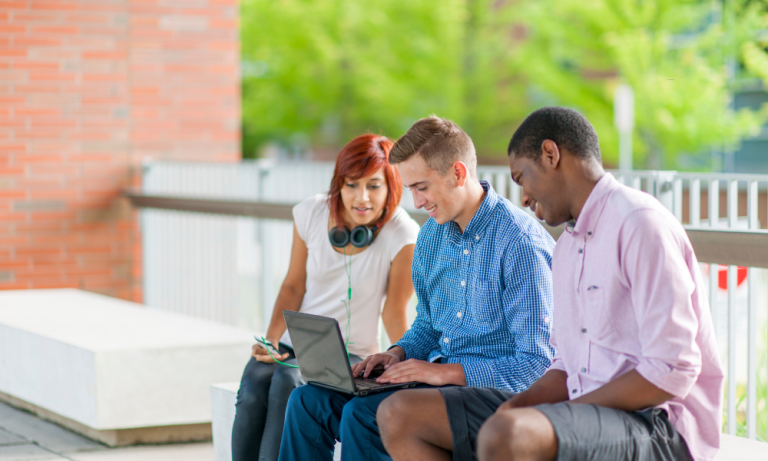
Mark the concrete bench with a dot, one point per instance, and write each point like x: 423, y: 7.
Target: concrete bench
x: 734, y: 448
x: 112, y: 370
x: 223, y: 397
x: 223, y: 401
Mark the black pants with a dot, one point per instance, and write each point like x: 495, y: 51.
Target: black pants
x: 584, y: 432
x: 261, y: 402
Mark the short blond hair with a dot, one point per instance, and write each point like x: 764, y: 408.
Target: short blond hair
x: 440, y: 142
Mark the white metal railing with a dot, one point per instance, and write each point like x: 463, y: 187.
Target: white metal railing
x: 214, y: 267
x: 229, y: 269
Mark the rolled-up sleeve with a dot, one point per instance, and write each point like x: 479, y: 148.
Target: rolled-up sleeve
x: 654, y: 266
x: 421, y: 338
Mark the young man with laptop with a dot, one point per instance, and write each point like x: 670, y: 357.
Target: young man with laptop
x: 636, y: 375
x: 481, y: 270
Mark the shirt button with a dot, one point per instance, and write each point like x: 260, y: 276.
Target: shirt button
x: 458, y: 315
x: 477, y: 237
x: 466, y: 252
x: 574, y: 391
x: 583, y: 370
x: 463, y: 283
x: 581, y: 250
x: 546, y: 319
x: 583, y: 330
x: 446, y: 340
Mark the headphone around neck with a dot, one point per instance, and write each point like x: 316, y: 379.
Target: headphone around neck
x: 360, y: 236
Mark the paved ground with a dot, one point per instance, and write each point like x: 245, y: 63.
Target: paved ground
x: 25, y: 437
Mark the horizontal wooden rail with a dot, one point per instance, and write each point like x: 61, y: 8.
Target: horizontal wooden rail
x: 730, y: 247
x: 719, y: 246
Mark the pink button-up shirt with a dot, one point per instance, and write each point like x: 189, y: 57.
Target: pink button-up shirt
x: 629, y: 295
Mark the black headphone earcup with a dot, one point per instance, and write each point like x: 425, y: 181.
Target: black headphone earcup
x: 339, y: 237
x: 361, y: 236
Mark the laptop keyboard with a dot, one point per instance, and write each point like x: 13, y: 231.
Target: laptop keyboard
x: 367, y: 383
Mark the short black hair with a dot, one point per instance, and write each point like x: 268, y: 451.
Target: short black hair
x: 567, y: 128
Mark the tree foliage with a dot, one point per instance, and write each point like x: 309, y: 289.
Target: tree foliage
x: 675, y: 55
x: 316, y: 73
x: 319, y: 73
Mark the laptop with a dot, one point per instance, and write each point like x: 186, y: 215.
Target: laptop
x: 322, y: 359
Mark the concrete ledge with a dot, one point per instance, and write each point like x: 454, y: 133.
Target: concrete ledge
x: 734, y: 448
x: 119, y: 437
x: 112, y: 370
x: 223, y: 398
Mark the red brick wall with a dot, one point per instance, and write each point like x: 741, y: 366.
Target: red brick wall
x: 91, y: 88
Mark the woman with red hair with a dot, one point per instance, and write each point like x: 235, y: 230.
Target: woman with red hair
x: 357, y: 237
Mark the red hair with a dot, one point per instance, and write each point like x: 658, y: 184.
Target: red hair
x: 363, y: 156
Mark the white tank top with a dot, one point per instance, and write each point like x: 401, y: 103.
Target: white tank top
x: 327, y: 279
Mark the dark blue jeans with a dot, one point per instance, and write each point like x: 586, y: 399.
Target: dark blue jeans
x: 261, y: 401
x: 317, y: 417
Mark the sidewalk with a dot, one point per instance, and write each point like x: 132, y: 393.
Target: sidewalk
x: 25, y: 437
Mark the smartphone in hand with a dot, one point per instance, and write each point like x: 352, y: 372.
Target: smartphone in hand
x: 268, y: 346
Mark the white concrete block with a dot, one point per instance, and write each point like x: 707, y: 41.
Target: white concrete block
x: 113, y: 364
x: 223, y: 397
x: 734, y: 448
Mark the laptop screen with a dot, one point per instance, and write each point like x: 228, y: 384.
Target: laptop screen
x: 319, y: 349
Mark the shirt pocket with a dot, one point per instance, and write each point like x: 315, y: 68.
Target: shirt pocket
x: 596, y: 314
x: 486, y: 303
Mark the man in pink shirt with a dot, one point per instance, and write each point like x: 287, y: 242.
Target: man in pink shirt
x: 636, y: 373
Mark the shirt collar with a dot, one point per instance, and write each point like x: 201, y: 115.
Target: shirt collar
x: 590, y: 212
x: 482, y: 217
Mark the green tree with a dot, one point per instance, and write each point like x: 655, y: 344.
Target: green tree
x: 319, y: 73
x: 749, y: 19
x: 674, y: 54
x: 316, y: 73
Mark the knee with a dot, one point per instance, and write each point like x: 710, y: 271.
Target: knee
x: 359, y: 412
x: 391, y: 416
x: 286, y: 377
x: 354, y: 411
x: 251, y: 393
x: 245, y: 395
x: 497, y: 436
x: 300, y: 400
x: 254, y: 383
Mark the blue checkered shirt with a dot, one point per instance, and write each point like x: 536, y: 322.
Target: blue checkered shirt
x: 485, y: 296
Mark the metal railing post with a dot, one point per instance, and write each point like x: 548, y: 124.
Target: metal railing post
x: 663, y: 189
x: 752, y: 196
x: 677, y: 193
x: 515, y: 193
x: 714, y: 217
x: 501, y: 184
x: 733, y: 215
x: 694, y: 197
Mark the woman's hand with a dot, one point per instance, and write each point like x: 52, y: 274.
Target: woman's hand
x: 259, y: 353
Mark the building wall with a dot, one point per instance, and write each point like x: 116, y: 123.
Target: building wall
x: 89, y: 90
x: 750, y: 157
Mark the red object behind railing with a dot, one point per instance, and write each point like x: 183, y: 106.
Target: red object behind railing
x: 722, y: 276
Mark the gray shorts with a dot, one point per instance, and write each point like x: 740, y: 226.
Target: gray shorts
x: 584, y: 432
